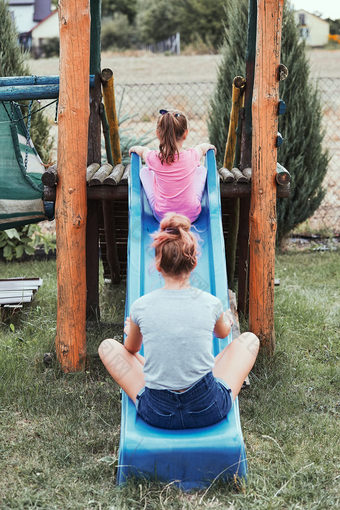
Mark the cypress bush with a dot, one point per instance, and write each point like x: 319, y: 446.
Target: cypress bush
x: 13, y: 63
x: 302, y: 152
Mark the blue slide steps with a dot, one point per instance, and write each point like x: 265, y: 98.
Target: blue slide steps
x: 191, y: 458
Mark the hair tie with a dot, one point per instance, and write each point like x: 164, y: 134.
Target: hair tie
x: 172, y: 230
x: 163, y: 112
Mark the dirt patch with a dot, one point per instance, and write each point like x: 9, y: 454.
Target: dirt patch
x: 151, y: 68
x: 146, y: 68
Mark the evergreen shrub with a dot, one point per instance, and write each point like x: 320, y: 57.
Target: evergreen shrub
x: 302, y: 152
x: 13, y: 63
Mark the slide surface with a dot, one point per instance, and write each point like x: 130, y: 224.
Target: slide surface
x: 193, y: 457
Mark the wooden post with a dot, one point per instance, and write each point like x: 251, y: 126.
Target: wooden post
x: 106, y: 133
x: 245, y: 162
x: 229, y: 156
x: 74, y: 23
x: 110, y: 237
x: 264, y: 160
x: 237, y: 92
x: 111, y: 113
x: 94, y: 156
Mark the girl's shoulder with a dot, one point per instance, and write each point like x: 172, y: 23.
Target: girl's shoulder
x: 147, y: 298
x: 191, y: 154
x: 152, y: 155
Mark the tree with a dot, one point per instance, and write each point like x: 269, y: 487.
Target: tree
x: 201, y: 19
x: 127, y: 7
x: 13, y: 63
x: 302, y: 152
x: 156, y: 20
x: 194, y: 19
x: 334, y: 25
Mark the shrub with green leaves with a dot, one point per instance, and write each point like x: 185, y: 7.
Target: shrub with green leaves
x: 117, y: 32
x: 302, y: 152
x: 16, y: 243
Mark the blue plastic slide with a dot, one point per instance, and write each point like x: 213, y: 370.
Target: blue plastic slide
x: 191, y: 458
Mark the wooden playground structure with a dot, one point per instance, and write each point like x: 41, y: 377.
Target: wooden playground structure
x: 91, y: 198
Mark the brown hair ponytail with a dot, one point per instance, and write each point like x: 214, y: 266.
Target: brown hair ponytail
x: 171, y: 126
x: 175, y: 246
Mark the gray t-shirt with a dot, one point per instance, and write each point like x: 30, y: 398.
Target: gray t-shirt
x: 177, y: 328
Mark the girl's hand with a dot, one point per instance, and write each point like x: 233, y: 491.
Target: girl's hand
x: 127, y: 326
x: 203, y: 148
x: 210, y: 146
x: 138, y: 149
x: 228, y: 318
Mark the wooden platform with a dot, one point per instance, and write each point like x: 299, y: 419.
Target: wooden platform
x: 107, y: 222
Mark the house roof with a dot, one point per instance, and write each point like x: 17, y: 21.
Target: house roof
x: 42, y: 8
x: 43, y: 20
x: 20, y: 2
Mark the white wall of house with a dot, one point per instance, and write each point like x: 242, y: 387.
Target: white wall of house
x: 23, y: 17
x: 313, y: 29
x: 46, y: 29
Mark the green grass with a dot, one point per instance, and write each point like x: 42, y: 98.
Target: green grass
x: 59, y: 433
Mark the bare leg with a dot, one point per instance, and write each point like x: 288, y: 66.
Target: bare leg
x: 125, y: 368
x: 234, y: 363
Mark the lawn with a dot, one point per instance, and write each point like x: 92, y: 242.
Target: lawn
x: 59, y: 433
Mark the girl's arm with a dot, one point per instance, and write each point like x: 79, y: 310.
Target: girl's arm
x: 140, y: 150
x: 203, y: 148
x: 133, y: 340
x: 223, y: 325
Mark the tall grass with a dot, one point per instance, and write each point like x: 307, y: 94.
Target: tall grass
x: 59, y: 432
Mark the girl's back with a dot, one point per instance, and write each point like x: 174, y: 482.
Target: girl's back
x: 177, y: 327
x: 174, y: 183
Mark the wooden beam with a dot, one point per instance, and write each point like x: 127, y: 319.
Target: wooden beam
x: 6, y: 81
x: 120, y: 192
x: 93, y: 157
x: 264, y: 160
x: 74, y: 24
x: 111, y: 113
x: 237, y: 99
x: 30, y: 91
x: 92, y: 260
x: 110, y: 238
x: 245, y: 162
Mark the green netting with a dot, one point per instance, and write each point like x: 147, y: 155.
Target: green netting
x: 21, y: 191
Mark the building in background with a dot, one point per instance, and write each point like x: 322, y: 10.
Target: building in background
x: 45, y: 36
x: 312, y: 28
x: 26, y: 15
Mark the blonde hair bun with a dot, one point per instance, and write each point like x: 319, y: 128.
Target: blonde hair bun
x: 175, y: 246
x: 172, y: 221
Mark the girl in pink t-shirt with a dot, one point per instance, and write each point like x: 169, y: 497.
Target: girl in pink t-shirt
x: 173, y: 179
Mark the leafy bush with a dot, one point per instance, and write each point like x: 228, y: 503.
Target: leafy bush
x: 196, y: 20
x: 16, y: 243
x: 117, y: 32
x: 50, y: 47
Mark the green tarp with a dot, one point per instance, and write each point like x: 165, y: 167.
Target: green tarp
x: 21, y: 191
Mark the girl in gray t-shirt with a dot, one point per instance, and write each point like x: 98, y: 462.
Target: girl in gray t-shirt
x: 178, y: 383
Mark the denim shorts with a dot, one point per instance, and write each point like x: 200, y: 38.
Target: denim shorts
x: 206, y: 402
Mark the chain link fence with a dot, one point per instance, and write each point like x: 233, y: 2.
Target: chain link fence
x: 327, y: 217
x: 139, y: 104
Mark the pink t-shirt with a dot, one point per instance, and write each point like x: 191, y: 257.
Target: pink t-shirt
x: 174, y: 183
